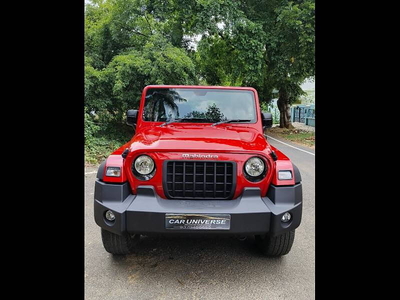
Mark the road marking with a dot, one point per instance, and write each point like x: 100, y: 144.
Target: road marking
x: 270, y: 137
x: 90, y: 172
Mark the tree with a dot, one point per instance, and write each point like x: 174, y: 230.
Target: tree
x: 290, y: 49
x: 158, y: 100
x: 212, y: 113
x: 268, y: 44
x: 125, y: 50
x: 215, y: 60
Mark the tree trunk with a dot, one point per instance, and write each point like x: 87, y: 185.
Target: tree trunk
x: 284, y: 110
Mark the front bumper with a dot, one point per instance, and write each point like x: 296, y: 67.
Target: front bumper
x: 144, y: 213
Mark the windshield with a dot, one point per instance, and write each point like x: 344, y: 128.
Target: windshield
x: 199, y: 105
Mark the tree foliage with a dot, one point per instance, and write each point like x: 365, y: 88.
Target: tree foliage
x: 265, y: 44
x: 212, y: 113
x: 126, y: 49
x: 269, y: 44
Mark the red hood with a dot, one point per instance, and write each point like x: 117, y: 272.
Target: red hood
x: 176, y: 137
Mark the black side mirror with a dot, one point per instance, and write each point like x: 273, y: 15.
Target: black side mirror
x: 266, y: 120
x: 131, y: 117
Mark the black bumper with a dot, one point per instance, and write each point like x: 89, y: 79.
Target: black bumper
x: 144, y: 213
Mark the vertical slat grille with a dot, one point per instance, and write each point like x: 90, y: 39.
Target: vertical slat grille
x: 199, y: 180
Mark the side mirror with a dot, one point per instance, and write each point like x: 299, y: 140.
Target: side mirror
x: 131, y: 117
x: 266, y: 120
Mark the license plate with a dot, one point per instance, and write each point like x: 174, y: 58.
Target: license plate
x: 198, y: 221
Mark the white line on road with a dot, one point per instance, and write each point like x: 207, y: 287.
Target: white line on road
x: 90, y: 172
x: 270, y: 137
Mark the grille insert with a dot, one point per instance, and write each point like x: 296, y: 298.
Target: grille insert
x: 199, y: 179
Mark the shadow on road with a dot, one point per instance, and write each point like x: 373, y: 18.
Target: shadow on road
x: 196, y: 259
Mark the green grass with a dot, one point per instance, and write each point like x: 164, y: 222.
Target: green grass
x: 294, y: 135
x: 102, y: 143
x: 306, y: 138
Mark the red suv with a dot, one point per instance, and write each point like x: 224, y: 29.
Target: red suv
x: 198, y: 163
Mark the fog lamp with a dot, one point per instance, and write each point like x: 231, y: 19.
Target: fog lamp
x: 110, y: 215
x: 286, y: 217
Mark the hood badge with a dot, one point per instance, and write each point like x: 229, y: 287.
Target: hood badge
x: 199, y: 156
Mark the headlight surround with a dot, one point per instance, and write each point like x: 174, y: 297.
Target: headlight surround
x: 143, y: 167
x: 255, y: 169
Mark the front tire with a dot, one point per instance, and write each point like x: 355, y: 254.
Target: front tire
x: 277, y: 245
x: 119, y: 244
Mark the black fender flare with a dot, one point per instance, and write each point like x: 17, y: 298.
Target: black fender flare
x: 297, y: 175
x: 100, y: 171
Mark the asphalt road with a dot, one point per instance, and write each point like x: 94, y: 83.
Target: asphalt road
x: 204, y: 268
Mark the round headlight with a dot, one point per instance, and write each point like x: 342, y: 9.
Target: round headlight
x: 254, y: 167
x: 144, y: 165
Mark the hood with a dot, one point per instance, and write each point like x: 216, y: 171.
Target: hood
x: 198, y: 138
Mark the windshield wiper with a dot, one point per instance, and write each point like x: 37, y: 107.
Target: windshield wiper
x: 230, y: 121
x: 171, y: 121
x: 184, y: 119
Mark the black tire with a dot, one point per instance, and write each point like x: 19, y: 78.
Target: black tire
x: 277, y: 245
x: 119, y: 244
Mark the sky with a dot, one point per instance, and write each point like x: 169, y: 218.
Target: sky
x: 308, y: 85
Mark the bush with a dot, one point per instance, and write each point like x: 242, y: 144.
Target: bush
x: 101, y: 139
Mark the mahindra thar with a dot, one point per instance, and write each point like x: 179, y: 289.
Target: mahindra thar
x: 198, y: 163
